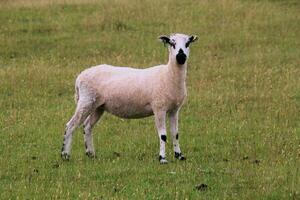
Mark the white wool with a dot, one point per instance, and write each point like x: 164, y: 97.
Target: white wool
x: 134, y: 93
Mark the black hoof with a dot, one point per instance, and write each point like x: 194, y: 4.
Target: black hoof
x: 65, y: 156
x: 179, y: 156
x: 90, y: 154
x: 162, y: 160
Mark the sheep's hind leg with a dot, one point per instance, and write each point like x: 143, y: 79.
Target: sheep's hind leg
x: 82, y: 111
x: 87, y: 131
x: 160, y: 122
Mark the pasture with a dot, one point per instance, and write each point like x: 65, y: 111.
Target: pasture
x: 240, y: 125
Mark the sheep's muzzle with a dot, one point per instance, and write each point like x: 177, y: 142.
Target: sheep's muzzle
x: 181, y: 57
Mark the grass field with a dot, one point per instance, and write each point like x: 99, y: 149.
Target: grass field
x: 240, y: 126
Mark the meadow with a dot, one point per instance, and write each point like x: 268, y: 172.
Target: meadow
x: 240, y: 125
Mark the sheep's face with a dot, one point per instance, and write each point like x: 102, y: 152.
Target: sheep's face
x: 178, y: 46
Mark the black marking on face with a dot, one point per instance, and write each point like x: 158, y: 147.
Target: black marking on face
x: 177, y: 136
x: 181, y: 57
x: 163, y: 138
x: 188, y: 44
x: 164, y: 39
x: 167, y: 40
x: 191, y: 39
x: 172, y: 43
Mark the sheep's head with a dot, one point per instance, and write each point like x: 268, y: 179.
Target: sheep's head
x: 178, y: 46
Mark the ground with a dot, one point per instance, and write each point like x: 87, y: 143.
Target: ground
x: 239, y: 128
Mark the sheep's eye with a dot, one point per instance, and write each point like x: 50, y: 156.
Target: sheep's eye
x: 173, y: 44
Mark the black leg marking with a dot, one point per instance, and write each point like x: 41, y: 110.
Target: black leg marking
x: 162, y: 160
x: 163, y: 138
x: 179, y: 156
x: 65, y: 156
x: 89, y: 153
x: 177, y: 136
x: 63, y: 147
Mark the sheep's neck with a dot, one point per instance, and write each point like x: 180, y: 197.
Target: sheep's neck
x: 177, y: 74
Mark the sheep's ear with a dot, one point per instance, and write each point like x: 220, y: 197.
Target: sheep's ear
x: 164, y: 39
x: 193, y: 38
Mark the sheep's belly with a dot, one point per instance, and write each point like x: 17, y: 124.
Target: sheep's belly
x: 129, y: 110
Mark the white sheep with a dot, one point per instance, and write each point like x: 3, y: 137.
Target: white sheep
x: 133, y: 93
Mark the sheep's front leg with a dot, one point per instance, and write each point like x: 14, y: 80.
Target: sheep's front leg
x: 160, y: 122
x: 175, y: 135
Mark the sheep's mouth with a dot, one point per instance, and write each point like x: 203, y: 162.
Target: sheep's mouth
x: 181, y: 58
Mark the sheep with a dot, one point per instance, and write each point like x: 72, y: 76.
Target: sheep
x: 133, y: 93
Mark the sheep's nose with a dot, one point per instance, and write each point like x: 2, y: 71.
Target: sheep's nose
x: 181, y: 57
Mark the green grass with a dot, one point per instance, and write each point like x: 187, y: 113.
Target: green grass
x: 240, y: 126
